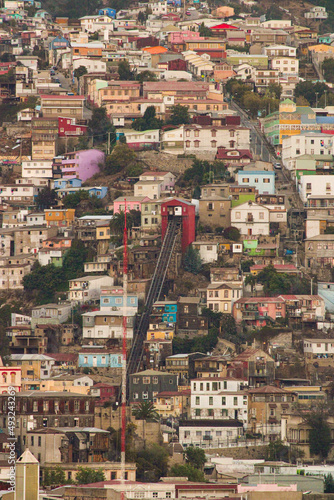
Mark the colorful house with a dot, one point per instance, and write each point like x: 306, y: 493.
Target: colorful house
x: 82, y: 164
x: 113, y: 299
x: 96, y: 357
x: 132, y: 203
x: 166, y: 310
x: 59, y: 217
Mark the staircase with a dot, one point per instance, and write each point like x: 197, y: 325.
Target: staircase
x: 157, y: 282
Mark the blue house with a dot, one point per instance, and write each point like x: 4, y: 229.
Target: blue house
x: 262, y: 180
x: 99, y: 357
x: 165, y: 310
x: 108, y: 12
x: 326, y: 292
x: 113, y: 299
x: 100, y: 191
x: 67, y: 183
x: 59, y: 42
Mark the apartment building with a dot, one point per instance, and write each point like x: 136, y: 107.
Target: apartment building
x: 254, y: 311
x: 219, y: 398
x: 37, y: 168
x: 62, y: 105
x: 316, y: 185
x: 220, y: 297
x: 104, y: 325
x: 88, y: 288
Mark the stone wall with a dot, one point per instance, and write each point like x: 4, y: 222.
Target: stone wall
x: 155, y: 160
x: 242, y: 452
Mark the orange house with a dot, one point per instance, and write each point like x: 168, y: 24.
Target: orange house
x: 87, y: 51
x: 59, y: 217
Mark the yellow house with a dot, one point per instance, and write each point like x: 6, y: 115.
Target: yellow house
x: 59, y: 217
x: 103, y: 231
x: 220, y: 297
x: 173, y: 403
x: 161, y: 334
x: 33, y: 366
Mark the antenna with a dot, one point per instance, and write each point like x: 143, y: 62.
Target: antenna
x: 125, y: 299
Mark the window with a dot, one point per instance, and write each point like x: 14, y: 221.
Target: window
x: 235, y: 401
x: 146, y: 380
x: 45, y: 405
x: 197, y: 400
x: 225, y: 294
x: 168, y: 494
x: 238, y: 215
x: 261, y: 215
x: 35, y: 406
x: 266, y: 180
x: 145, y: 395
x: 155, y: 380
x: 155, y: 494
x: 223, y: 401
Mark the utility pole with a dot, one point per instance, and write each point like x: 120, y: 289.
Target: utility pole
x: 108, y: 144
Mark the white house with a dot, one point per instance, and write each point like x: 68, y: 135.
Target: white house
x: 51, y: 313
x: 316, y: 13
x: 205, y: 138
x: 104, y: 325
x: 142, y: 139
x: 276, y: 24
x: 88, y: 288
x: 92, y: 65
x: 310, y: 143
x: 158, y: 8
x: 37, y: 168
x: 323, y: 348
x: 316, y: 185
x: 279, y: 51
x: 208, y: 250
x: 251, y: 219
x: 218, y: 398
x: 18, y: 192
x: 213, y: 434
x: 285, y: 65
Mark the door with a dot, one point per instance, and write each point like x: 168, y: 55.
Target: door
x: 94, y: 361
x: 249, y: 232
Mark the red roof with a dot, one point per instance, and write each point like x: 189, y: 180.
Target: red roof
x: 59, y: 356
x: 224, y: 26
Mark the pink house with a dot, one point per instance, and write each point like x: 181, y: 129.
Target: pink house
x: 82, y: 164
x: 132, y: 203
x: 254, y: 311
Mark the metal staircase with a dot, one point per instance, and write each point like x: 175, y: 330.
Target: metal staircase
x: 157, y: 282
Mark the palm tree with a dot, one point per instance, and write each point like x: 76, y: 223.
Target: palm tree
x: 145, y: 411
x: 117, y: 223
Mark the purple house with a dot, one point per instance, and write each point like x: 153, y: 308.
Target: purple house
x: 82, y: 164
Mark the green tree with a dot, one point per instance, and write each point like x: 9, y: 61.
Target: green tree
x: 121, y: 157
x: 117, y: 223
x: 275, y: 90
x: 80, y: 71
x: 204, y: 31
x: 124, y: 70
x: 311, y: 91
x: 246, y: 265
x: 320, y: 434
x: 145, y: 411
x: 46, y: 198
x: 197, y: 193
x: 152, y: 463
x: 192, y: 261
x: 195, y: 457
x: 73, y: 263
x: 329, y: 483
x: 86, y: 475
x: 146, y: 76
x: 252, y: 103
x: 54, y: 476
x: 44, y: 280
x: 188, y: 471
x: 180, y: 115
x: 276, y: 451
x: 99, y: 126
x: 232, y: 233
x: 148, y: 121
x: 328, y: 70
